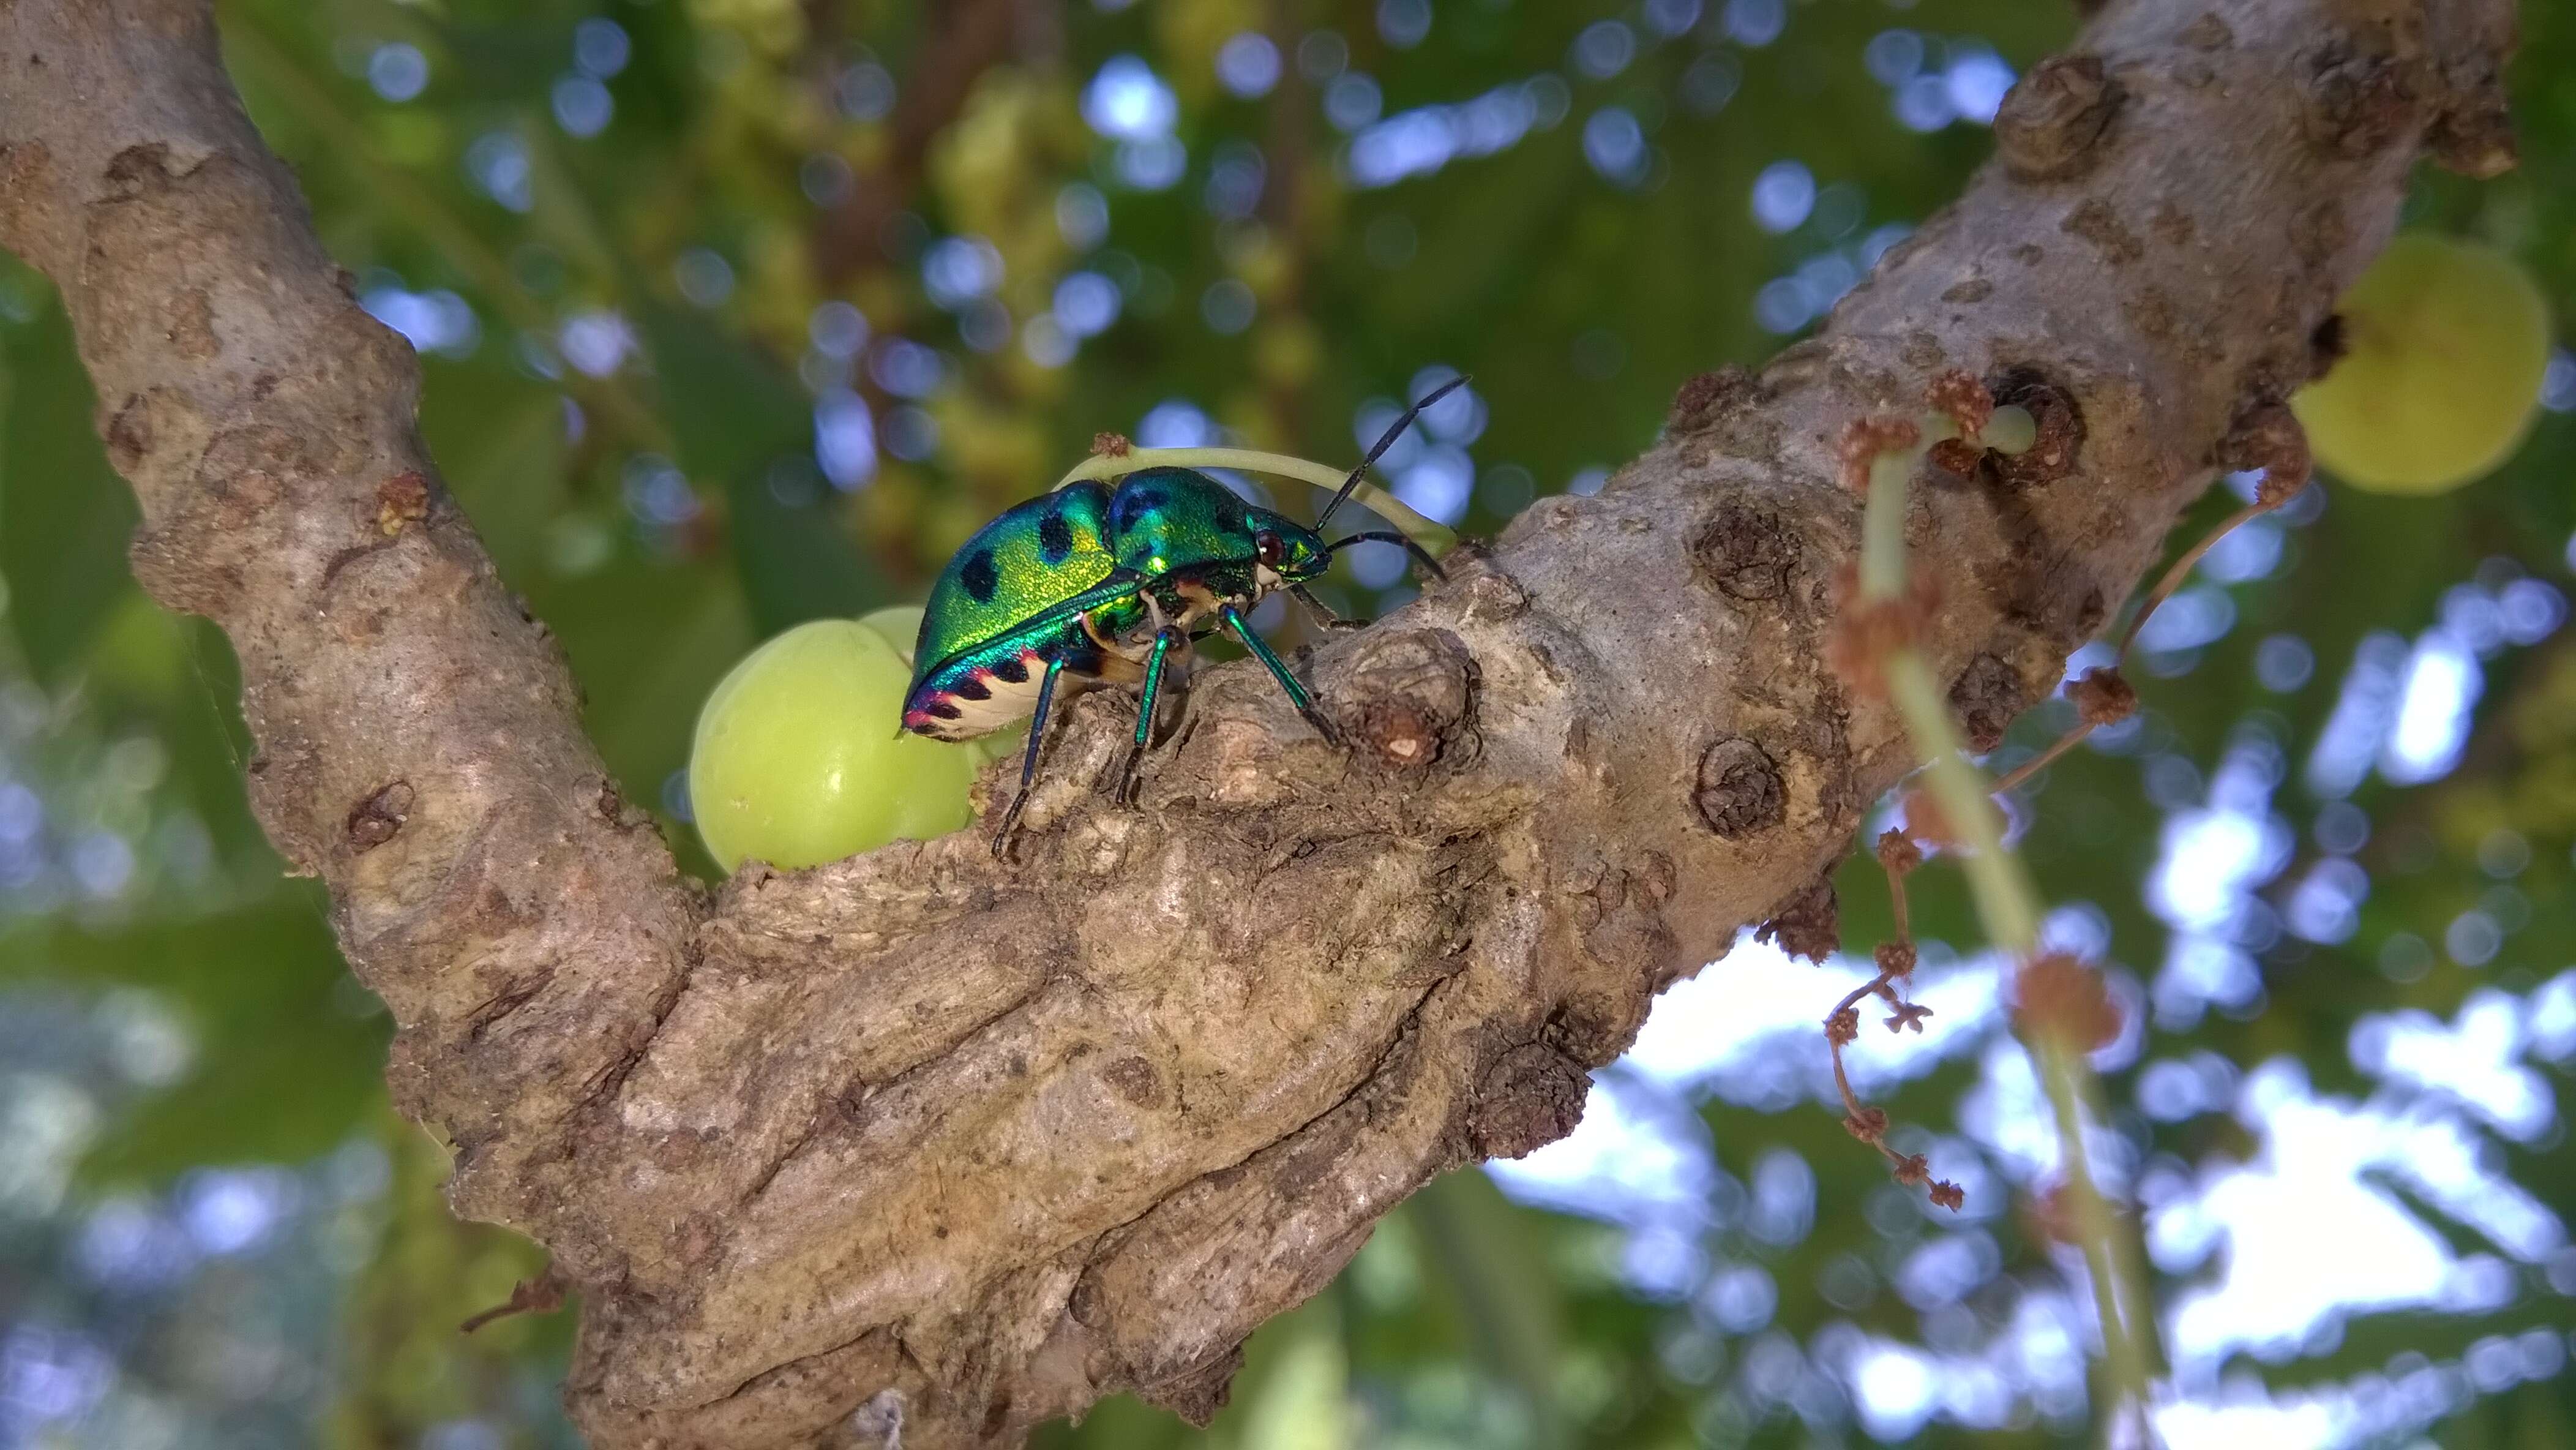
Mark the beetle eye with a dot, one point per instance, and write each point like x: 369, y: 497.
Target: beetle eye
x: 1266, y: 547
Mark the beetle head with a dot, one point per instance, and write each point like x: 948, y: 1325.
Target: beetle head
x: 1285, y: 552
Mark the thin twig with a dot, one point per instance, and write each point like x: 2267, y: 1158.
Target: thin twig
x: 1897, y: 856
x: 2020, y: 775
x: 2181, y: 570
x: 2264, y: 503
x: 543, y: 1294
x: 1866, y: 1123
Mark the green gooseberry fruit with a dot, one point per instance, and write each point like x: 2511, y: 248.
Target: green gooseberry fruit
x: 900, y: 624
x: 798, y: 760
x: 2445, y: 342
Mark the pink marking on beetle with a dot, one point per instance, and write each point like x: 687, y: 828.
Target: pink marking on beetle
x: 924, y: 717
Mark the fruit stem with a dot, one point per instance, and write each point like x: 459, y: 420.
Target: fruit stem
x: 1435, y: 538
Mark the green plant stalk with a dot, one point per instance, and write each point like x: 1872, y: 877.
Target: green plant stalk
x: 1882, y: 525
x: 1436, y: 539
x: 2009, y: 904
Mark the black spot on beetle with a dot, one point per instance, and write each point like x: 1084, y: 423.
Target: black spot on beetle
x: 971, y: 688
x: 942, y: 710
x: 1055, y: 538
x: 1011, y: 671
x: 1134, y: 504
x: 981, y: 576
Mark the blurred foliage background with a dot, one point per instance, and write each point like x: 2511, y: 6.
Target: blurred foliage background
x: 741, y: 312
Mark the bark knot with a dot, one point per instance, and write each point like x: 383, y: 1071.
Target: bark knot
x: 2053, y: 454
x: 373, y: 821
x: 1531, y: 1096
x: 1746, y: 553
x: 1410, y: 694
x: 145, y: 166
x: 2095, y: 221
x: 1198, y: 1394
x: 2359, y: 102
x: 2266, y: 435
x: 400, y: 500
x: 2051, y: 119
x: 1707, y: 398
x: 1808, y: 924
x: 1135, y: 1080
x: 2475, y: 136
x: 1739, y: 790
x: 1986, y: 697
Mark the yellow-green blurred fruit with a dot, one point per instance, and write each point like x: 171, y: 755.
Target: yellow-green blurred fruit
x: 1003, y: 744
x: 798, y: 760
x: 899, y: 624
x: 2445, y: 342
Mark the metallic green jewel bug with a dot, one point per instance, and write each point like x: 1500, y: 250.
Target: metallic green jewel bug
x: 1093, y: 584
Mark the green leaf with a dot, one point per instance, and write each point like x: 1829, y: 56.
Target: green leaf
x: 734, y: 416
x: 1490, y: 1257
x: 65, y: 515
x: 797, y: 559
x: 178, y: 675
x: 729, y: 409
x: 288, y: 1052
x: 1301, y: 1397
x: 500, y: 443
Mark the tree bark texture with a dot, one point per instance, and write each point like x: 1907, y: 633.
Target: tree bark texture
x: 1006, y: 1138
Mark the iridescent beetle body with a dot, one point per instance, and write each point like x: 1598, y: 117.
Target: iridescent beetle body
x: 1019, y: 595
x: 1207, y: 557
x: 1111, y: 585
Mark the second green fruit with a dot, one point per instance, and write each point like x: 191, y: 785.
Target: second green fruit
x: 2445, y: 342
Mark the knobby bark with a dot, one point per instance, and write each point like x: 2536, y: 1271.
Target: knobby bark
x: 1004, y: 1139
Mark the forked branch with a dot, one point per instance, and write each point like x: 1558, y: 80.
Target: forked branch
x: 989, y: 1141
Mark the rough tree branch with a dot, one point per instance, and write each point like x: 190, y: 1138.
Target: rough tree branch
x: 1006, y: 1139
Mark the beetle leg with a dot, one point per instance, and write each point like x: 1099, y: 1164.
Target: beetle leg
x: 1297, y: 695
x: 1324, y: 617
x: 1028, y: 760
x: 1166, y: 638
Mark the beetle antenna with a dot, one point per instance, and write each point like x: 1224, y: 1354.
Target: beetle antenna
x: 1387, y: 442
x: 1390, y: 536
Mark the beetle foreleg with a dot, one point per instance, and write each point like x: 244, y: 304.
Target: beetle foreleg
x: 1297, y: 695
x: 1166, y: 639
x: 1028, y: 760
x: 1324, y: 617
